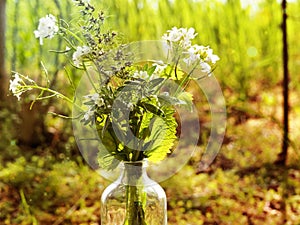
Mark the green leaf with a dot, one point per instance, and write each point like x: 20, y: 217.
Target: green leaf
x: 106, y: 160
x: 162, y: 136
x: 130, y: 86
x: 133, y: 82
x: 151, y: 70
x: 106, y: 124
x: 153, y: 109
x: 145, y: 68
x: 108, y: 153
x: 168, y: 100
x: 144, y: 127
x: 155, y: 82
x: 174, y: 73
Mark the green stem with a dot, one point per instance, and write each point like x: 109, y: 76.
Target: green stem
x: 89, y: 77
x: 72, y: 34
x: 186, y: 78
x: 54, y: 93
x: 130, y: 204
x: 135, y: 213
x: 138, y: 151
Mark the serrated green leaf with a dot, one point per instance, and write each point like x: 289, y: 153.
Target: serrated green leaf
x: 162, y: 137
x: 109, y: 146
x: 144, y: 127
x: 107, y: 160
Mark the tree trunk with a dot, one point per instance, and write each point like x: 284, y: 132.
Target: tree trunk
x: 282, y: 157
x: 3, y: 74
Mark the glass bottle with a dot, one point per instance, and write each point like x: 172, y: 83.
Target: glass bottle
x: 134, y: 199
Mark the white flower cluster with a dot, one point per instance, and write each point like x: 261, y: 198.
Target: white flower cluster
x: 47, y: 28
x: 18, y: 86
x: 96, y: 99
x: 197, y: 54
x: 15, y: 85
x: 202, y: 54
x: 79, y: 54
x: 181, y: 36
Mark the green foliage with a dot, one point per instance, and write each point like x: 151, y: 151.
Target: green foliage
x: 162, y: 136
x: 9, y: 134
x: 246, y: 39
x: 46, y: 191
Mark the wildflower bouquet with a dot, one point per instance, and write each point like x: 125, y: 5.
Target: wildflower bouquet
x: 132, y: 103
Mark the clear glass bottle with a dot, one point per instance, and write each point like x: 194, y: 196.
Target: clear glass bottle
x: 134, y: 199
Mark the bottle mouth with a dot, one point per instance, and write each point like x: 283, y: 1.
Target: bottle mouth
x: 133, y: 164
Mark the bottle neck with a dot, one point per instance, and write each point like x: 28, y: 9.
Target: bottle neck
x: 134, y: 173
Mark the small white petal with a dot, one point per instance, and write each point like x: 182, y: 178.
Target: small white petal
x: 205, y: 67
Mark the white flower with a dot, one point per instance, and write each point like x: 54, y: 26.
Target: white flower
x: 141, y: 74
x: 211, y: 58
x: 173, y: 35
x: 160, y: 67
x: 20, y: 84
x: 47, y: 28
x: 79, y: 54
x: 188, y: 35
x: 202, y: 55
x: 206, y: 54
x: 205, y: 67
x: 89, y: 114
x: 15, y: 85
x: 145, y: 76
x: 96, y: 99
x: 181, y: 36
x: 194, y: 56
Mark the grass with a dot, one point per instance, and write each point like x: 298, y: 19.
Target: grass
x: 68, y: 193
x: 242, y: 186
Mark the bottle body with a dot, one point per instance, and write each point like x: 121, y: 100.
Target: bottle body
x: 134, y: 199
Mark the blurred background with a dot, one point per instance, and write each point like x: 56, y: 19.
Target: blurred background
x: 253, y: 180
